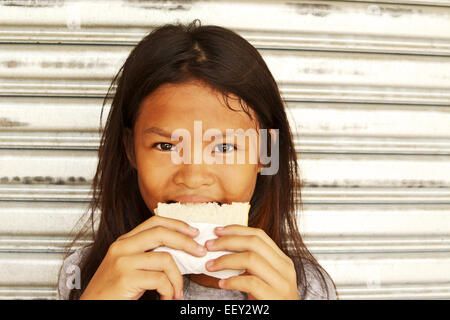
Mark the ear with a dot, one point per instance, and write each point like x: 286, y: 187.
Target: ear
x: 128, y: 143
x: 273, y: 137
x: 260, y: 166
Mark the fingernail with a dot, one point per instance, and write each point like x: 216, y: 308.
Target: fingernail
x: 209, y: 264
x: 193, y: 230
x: 219, y: 229
x: 201, y: 249
x: 221, y: 283
x: 209, y: 244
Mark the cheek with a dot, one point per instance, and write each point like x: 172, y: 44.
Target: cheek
x: 153, y: 180
x: 148, y: 189
x: 239, y: 182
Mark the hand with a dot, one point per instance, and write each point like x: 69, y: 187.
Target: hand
x: 270, y: 273
x: 128, y: 270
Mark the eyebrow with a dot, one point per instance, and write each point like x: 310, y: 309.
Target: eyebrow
x: 158, y: 131
x: 163, y: 133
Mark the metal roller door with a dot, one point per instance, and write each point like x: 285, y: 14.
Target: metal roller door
x: 367, y: 86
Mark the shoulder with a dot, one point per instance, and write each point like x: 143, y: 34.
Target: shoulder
x: 319, y: 285
x: 69, y: 273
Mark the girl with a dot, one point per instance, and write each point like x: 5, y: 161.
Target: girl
x: 177, y: 75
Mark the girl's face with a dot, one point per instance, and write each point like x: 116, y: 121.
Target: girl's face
x: 177, y: 106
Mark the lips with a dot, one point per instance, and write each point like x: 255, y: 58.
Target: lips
x: 192, y: 199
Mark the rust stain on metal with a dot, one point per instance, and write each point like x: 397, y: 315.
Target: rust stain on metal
x: 162, y: 5
x: 11, y: 64
x: 381, y: 183
x: 32, y: 3
x: 46, y: 64
x: 72, y: 64
x: 394, y: 12
x: 8, y: 123
x: 315, y: 70
x: 397, y: 12
x: 46, y: 180
x: 319, y: 70
x: 323, y: 10
x: 77, y: 65
x: 317, y: 10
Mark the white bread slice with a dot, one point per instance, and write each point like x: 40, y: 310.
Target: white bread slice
x: 206, y: 212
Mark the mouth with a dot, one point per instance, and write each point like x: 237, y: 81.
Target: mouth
x: 190, y: 198
x: 182, y: 202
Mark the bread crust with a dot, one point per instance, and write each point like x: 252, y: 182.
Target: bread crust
x: 206, y: 212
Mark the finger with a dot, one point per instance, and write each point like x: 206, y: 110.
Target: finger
x: 156, y: 261
x: 250, y: 284
x: 235, y: 229
x: 153, y: 280
x: 158, y: 236
x: 247, y: 243
x: 173, y: 224
x: 250, y: 261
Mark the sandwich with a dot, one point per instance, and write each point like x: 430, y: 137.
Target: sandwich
x: 204, y: 216
x: 206, y: 212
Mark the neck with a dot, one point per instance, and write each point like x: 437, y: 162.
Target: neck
x: 204, y: 280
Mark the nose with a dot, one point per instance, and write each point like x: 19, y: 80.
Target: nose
x: 194, y: 176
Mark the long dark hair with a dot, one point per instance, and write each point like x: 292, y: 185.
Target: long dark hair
x: 220, y: 58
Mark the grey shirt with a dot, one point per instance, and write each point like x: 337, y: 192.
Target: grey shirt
x: 194, y: 291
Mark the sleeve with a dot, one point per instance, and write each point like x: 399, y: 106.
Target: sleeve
x: 69, y: 276
x: 316, y: 289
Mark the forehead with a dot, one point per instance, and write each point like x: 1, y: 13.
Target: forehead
x: 182, y: 104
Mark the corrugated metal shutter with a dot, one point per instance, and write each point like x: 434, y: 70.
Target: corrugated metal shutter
x: 368, y: 90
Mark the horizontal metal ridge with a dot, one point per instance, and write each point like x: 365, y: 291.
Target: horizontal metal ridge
x: 372, y: 145
x: 300, y: 92
x: 49, y: 140
x: 39, y: 245
x: 42, y: 220
x: 46, y: 191
x: 301, y: 75
x: 326, y: 228
x: 330, y: 245
x: 363, y: 94
x: 28, y: 293
x: 380, y: 195
x: 317, y: 245
x: 317, y: 127
x: 316, y: 170
x: 299, y: 25
x: 304, y: 143
x: 439, y: 3
x: 374, y: 220
x: 344, y: 42
x: 397, y: 291
x: 376, y: 269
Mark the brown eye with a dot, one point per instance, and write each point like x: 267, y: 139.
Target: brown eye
x: 165, y: 146
x: 225, y: 146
